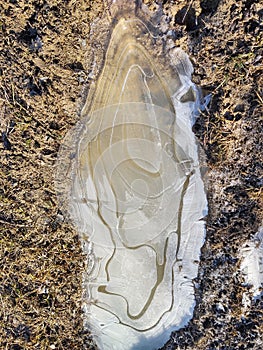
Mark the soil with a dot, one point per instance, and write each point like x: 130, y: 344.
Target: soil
x: 44, y: 72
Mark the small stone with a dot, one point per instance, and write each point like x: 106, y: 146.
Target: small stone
x: 187, y: 16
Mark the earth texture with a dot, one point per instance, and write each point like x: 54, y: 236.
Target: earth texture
x: 44, y: 74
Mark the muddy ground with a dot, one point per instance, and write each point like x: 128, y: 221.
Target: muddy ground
x: 43, y: 73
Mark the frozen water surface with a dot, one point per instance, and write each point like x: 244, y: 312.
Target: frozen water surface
x: 129, y: 178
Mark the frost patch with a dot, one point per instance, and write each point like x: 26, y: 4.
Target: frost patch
x: 252, y: 263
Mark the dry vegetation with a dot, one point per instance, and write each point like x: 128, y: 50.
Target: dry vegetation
x: 43, y: 72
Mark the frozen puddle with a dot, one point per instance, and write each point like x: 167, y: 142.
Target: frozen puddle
x: 129, y: 178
